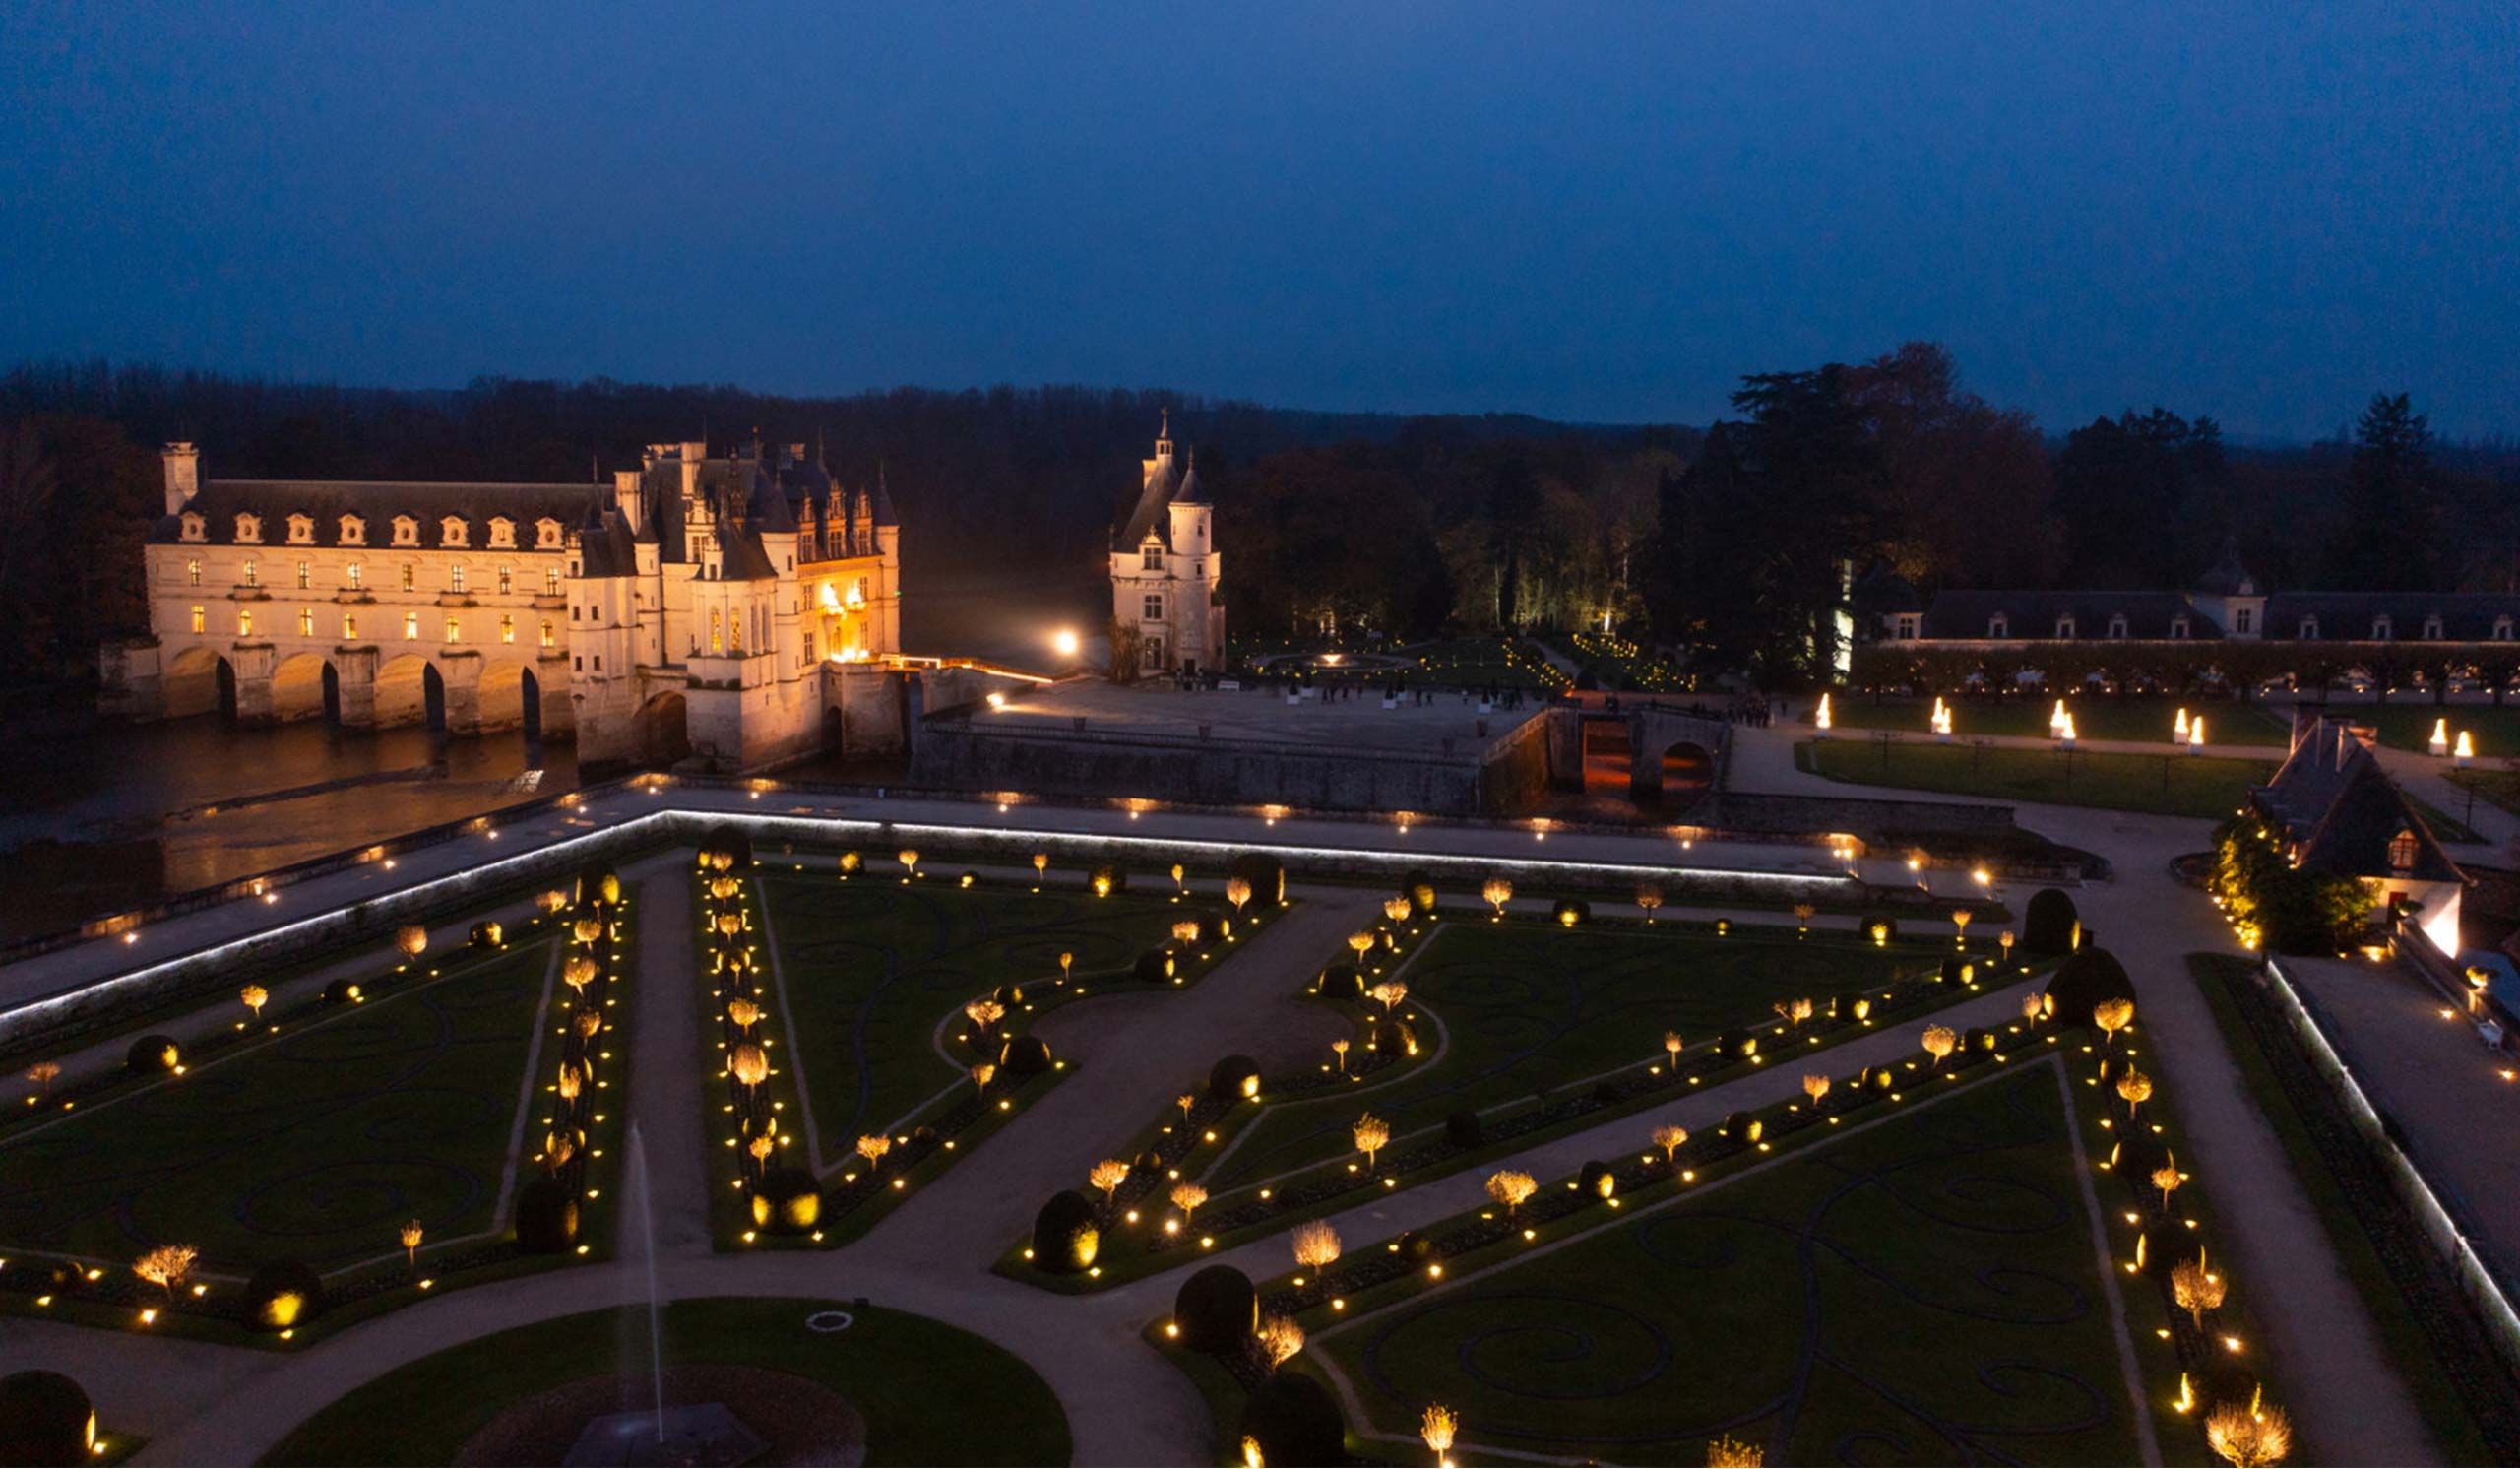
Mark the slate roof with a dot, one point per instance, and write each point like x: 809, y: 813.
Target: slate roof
x: 1165, y: 487
x: 377, y: 501
x: 2466, y: 617
x: 2033, y: 615
x: 2227, y: 577
x: 2341, y: 810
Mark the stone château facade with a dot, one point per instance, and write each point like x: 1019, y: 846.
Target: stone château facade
x: 1164, y: 569
x: 735, y: 608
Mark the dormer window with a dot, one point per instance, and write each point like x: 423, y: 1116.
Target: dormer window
x: 502, y: 533
x: 1151, y: 555
x: 547, y: 533
x: 302, y: 529
x: 2432, y: 628
x: 249, y: 529
x: 1905, y: 626
x: 2402, y: 850
x: 2381, y: 628
x: 353, y: 531
x: 2118, y: 625
x: 452, y: 531
x: 2310, y: 632
x: 2503, y: 629
x: 1999, y: 626
x: 407, y: 530
x: 194, y: 528
x: 2066, y: 626
x: 2179, y: 626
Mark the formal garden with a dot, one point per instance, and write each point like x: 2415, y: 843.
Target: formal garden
x: 871, y: 1020
x: 1462, y: 1034
x: 1994, y: 1247
x: 818, y: 1381
x: 436, y: 1120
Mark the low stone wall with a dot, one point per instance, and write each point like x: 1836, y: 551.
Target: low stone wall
x: 958, y: 754
x: 2477, y: 1279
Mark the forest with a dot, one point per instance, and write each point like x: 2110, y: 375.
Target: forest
x: 1726, y: 542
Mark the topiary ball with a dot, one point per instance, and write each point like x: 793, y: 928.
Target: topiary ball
x: 2138, y: 1151
x: 546, y: 1217
x: 1878, y: 927
x: 726, y: 848
x: 1236, y: 1078
x: 1154, y: 967
x: 1462, y: 1130
x: 1419, y: 889
x: 1216, y: 1309
x: 1978, y: 1038
x: 1736, y: 1045
x: 1342, y: 981
x: 285, y: 1294
x: 1571, y: 912
x: 1023, y: 1056
x: 1296, y: 1421
x: 1009, y: 995
x: 1266, y: 874
x: 1742, y: 1127
x: 1108, y: 878
x: 486, y: 934
x: 153, y: 1055
x: 1416, y: 1249
x: 2086, y: 978
x: 786, y: 1201
x: 1150, y: 1161
x: 45, y: 1418
x: 2049, y: 925
x: 1065, y: 1237
x: 341, y: 992
x: 1598, y: 1181
x: 1392, y: 1038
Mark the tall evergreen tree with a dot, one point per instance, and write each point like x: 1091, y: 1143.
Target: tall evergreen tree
x: 2388, y: 541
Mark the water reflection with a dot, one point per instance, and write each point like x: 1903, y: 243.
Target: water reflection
x: 110, y: 815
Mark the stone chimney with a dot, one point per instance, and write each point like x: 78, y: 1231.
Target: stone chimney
x: 627, y: 498
x: 183, y: 475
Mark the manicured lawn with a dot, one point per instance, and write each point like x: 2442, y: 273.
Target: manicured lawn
x: 1924, y: 1291
x: 317, y: 1144
x: 2094, y: 717
x: 870, y: 967
x: 2205, y: 785
x: 2500, y: 786
x: 930, y: 1393
x: 1525, y: 1006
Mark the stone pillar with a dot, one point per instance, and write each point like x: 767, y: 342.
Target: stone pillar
x: 355, y: 669
x: 461, y: 672
x: 129, y: 681
x: 253, y: 663
x: 560, y: 711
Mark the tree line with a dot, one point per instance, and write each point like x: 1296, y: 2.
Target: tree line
x: 1729, y: 543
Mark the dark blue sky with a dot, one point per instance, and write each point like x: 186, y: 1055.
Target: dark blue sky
x: 2263, y: 213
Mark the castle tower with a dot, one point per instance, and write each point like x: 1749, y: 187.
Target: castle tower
x: 1165, y: 569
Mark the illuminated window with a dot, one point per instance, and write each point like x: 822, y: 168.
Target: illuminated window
x: 200, y: 619
x: 507, y: 577
x: 192, y: 571
x: 244, y: 623
x: 350, y: 626
x: 551, y: 635
x: 455, y: 579
x: 305, y: 575
x: 2402, y: 850
x: 453, y: 630
x: 507, y: 629
x: 411, y: 577
x: 552, y: 580
x: 253, y: 574
x: 351, y: 573
x: 306, y: 623
x: 717, y: 635
x: 411, y: 626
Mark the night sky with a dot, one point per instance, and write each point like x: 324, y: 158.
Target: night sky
x: 2262, y: 212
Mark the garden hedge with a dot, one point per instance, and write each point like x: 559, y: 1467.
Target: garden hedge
x: 1342, y: 981
x: 546, y: 1217
x: 1233, y: 1079
x: 2086, y: 978
x: 787, y: 1201
x: 45, y: 1418
x: 1155, y: 966
x: 1266, y: 874
x: 1065, y: 1237
x: 1572, y: 912
x: 2049, y: 925
x: 153, y: 1055
x: 1023, y: 1056
x: 1216, y: 1309
x: 1296, y: 1421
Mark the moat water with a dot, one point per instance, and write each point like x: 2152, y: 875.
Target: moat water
x: 99, y: 815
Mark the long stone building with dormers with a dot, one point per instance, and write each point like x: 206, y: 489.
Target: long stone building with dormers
x: 1164, y: 569
x: 733, y: 608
